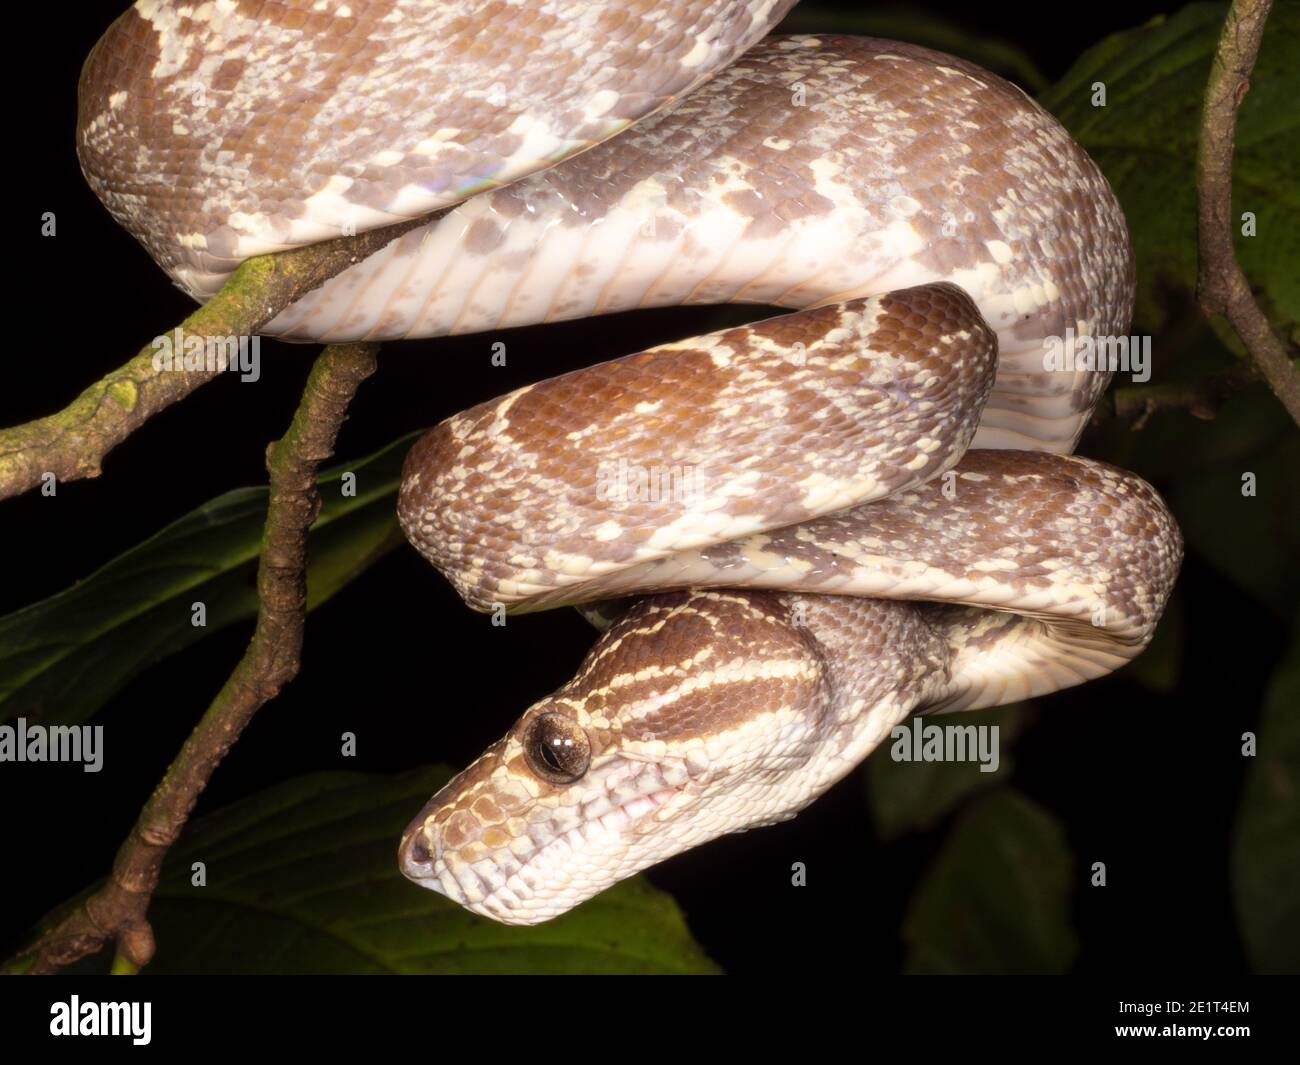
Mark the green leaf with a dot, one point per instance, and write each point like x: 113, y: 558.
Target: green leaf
x: 1254, y: 540
x: 923, y: 28
x: 303, y: 878
x: 61, y: 659
x: 997, y: 898
x: 1144, y: 139
x: 1266, y: 847
x: 1176, y: 445
x: 915, y: 796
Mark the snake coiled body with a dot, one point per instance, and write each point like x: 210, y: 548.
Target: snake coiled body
x: 793, y: 534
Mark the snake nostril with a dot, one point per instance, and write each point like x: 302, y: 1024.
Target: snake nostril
x: 418, y: 851
x: 415, y: 856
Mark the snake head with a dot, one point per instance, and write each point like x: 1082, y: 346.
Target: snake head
x: 695, y: 715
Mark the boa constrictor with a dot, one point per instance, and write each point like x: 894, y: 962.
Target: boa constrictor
x: 793, y: 534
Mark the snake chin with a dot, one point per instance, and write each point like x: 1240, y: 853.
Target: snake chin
x: 554, y: 864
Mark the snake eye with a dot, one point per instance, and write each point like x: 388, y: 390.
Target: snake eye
x: 557, y: 750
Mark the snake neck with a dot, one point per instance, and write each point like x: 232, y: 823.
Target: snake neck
x: 883, y: 660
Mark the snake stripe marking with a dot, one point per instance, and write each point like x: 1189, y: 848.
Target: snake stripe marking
x: 883, y: 516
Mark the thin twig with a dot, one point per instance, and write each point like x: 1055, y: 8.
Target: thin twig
x: 1201, y: 399
x: 72, y: 443
x: 1222, y: 286
x: 117, y: 910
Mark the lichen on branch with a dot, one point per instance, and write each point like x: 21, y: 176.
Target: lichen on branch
x: 117, y: 910
x: 72, y: 443
x: 1222, y: 287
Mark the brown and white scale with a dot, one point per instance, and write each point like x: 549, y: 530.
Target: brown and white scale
x: 882, y: 516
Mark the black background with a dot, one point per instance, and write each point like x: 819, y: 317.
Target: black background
x: 1147, y: 784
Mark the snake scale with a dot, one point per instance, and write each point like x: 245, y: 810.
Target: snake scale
x: 793, y: 534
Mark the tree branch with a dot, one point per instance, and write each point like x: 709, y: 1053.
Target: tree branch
x: 72, y: 443
x: 1201, y: 399
x: 117, y: 910
x: 1222, y: 286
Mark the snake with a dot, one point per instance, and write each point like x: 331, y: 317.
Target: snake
x: 790, y: 535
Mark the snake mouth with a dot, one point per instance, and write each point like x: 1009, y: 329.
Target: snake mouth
x: 545, y: 872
